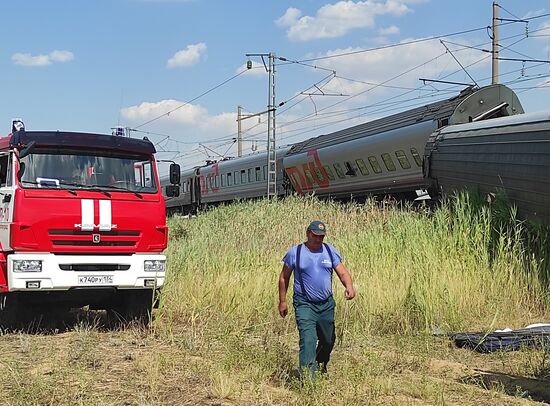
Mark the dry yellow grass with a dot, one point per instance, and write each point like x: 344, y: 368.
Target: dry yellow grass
x: 218, y: 340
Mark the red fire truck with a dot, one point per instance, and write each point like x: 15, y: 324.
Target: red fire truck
x: 82, y: 222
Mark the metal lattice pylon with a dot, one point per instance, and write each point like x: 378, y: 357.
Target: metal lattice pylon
x: 271, y: 153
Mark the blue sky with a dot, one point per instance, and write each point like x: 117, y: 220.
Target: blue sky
x: 90, y: 65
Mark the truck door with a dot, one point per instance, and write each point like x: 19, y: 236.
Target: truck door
x: 7, y: 195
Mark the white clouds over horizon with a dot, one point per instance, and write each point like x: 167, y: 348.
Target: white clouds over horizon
x: 188, y: 56
x: 336, y: 20
x: 380, y: 65
x: 191, y: 123
x: 27, y: 59
x: 189, y: 116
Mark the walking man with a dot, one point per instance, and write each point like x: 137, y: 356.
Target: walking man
x: 313, y: 263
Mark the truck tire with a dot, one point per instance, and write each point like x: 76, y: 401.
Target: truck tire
x: 16, y: 313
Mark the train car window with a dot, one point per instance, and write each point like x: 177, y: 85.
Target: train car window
x: 329, y: 172
x: 250, y: 175
x: 223, y: 180
x: 339, y: 170
x: 402, y: 158
x: 309, y: 177
x: 237, y: 177
x: 374, y: 164
x: 388, y: 162
x: 217, y: 181
x: 362, y: 167
x: 229, y: 179
x: 350, y: 169
x: 258, y: 173
x: 319, y: 174
x: 265, y: 172
x: 243, y: 176
x: 416, y: 157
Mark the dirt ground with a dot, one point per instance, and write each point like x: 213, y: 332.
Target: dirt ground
x: 83, y: 360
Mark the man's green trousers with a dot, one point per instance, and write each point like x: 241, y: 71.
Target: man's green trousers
x: 315, y: 321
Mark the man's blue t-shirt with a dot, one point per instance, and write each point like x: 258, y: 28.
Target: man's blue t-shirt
x: 316, y: 268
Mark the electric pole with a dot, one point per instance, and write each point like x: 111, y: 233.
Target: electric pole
x: 241, y: 117
x: 495, y: 44
x: 239, y: 133
x: 271, y: 153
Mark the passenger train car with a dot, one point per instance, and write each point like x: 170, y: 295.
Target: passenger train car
x: 384, y: 156
x: 508, y: 153
x: 225, y: 181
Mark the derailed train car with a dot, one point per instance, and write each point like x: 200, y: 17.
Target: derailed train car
x: 384, y: 156
x: 509, y: 153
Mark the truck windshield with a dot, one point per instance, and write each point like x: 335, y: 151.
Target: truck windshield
x: 70, y: 169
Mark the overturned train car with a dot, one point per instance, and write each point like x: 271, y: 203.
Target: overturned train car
x: 509, y: 153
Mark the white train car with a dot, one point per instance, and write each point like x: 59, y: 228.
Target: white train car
x: 385, y: 156
x: 239, y: 178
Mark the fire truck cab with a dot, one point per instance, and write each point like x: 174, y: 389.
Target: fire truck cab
x: 82, y: 222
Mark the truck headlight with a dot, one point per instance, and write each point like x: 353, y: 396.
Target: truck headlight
x: 154, y: 265
x: 27, y: 265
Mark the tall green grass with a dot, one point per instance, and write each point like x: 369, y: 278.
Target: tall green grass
x: 456, y: 267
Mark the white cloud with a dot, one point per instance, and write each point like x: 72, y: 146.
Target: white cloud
x: 387, y: 68
x: 391, y: 30
x: 188, y: 114
x: 187, y: 57
x: 543, y: 31
x: 290, y: 17
x: 534, y: 13
x: 27, y: 59
x: 336, y: 20
x: 190, y: 124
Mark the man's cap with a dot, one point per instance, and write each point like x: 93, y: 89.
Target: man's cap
x: 317, y: 227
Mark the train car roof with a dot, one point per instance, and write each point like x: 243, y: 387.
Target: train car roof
x: 24, y: 138
x: 248, y: 159
x: 536, y: 117
x: 433, y: 111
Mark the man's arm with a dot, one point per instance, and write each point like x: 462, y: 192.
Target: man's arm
x: 284, y: 280
x: 345, y: 278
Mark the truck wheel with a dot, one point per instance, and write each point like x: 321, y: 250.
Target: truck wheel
x: 16, y: 313
x: 132, y: 306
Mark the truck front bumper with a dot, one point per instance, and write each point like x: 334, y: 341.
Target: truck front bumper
x: 64, y: 272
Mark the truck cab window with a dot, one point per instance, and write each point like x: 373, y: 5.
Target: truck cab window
x: 4, y: 170
x: 79, y: 169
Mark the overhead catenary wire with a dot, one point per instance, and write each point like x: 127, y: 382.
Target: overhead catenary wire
x: 191, y: 101
x: 453, y: 34
x: 316, y: 67
x: 417, y: 89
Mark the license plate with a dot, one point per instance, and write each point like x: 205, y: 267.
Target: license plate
x: 95, y: 279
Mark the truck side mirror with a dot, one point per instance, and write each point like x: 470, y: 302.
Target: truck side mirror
x: 175, y: 174
x: 172, y: 191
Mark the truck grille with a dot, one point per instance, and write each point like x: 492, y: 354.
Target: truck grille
x: 94, y: 267
x: 77, y: 238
